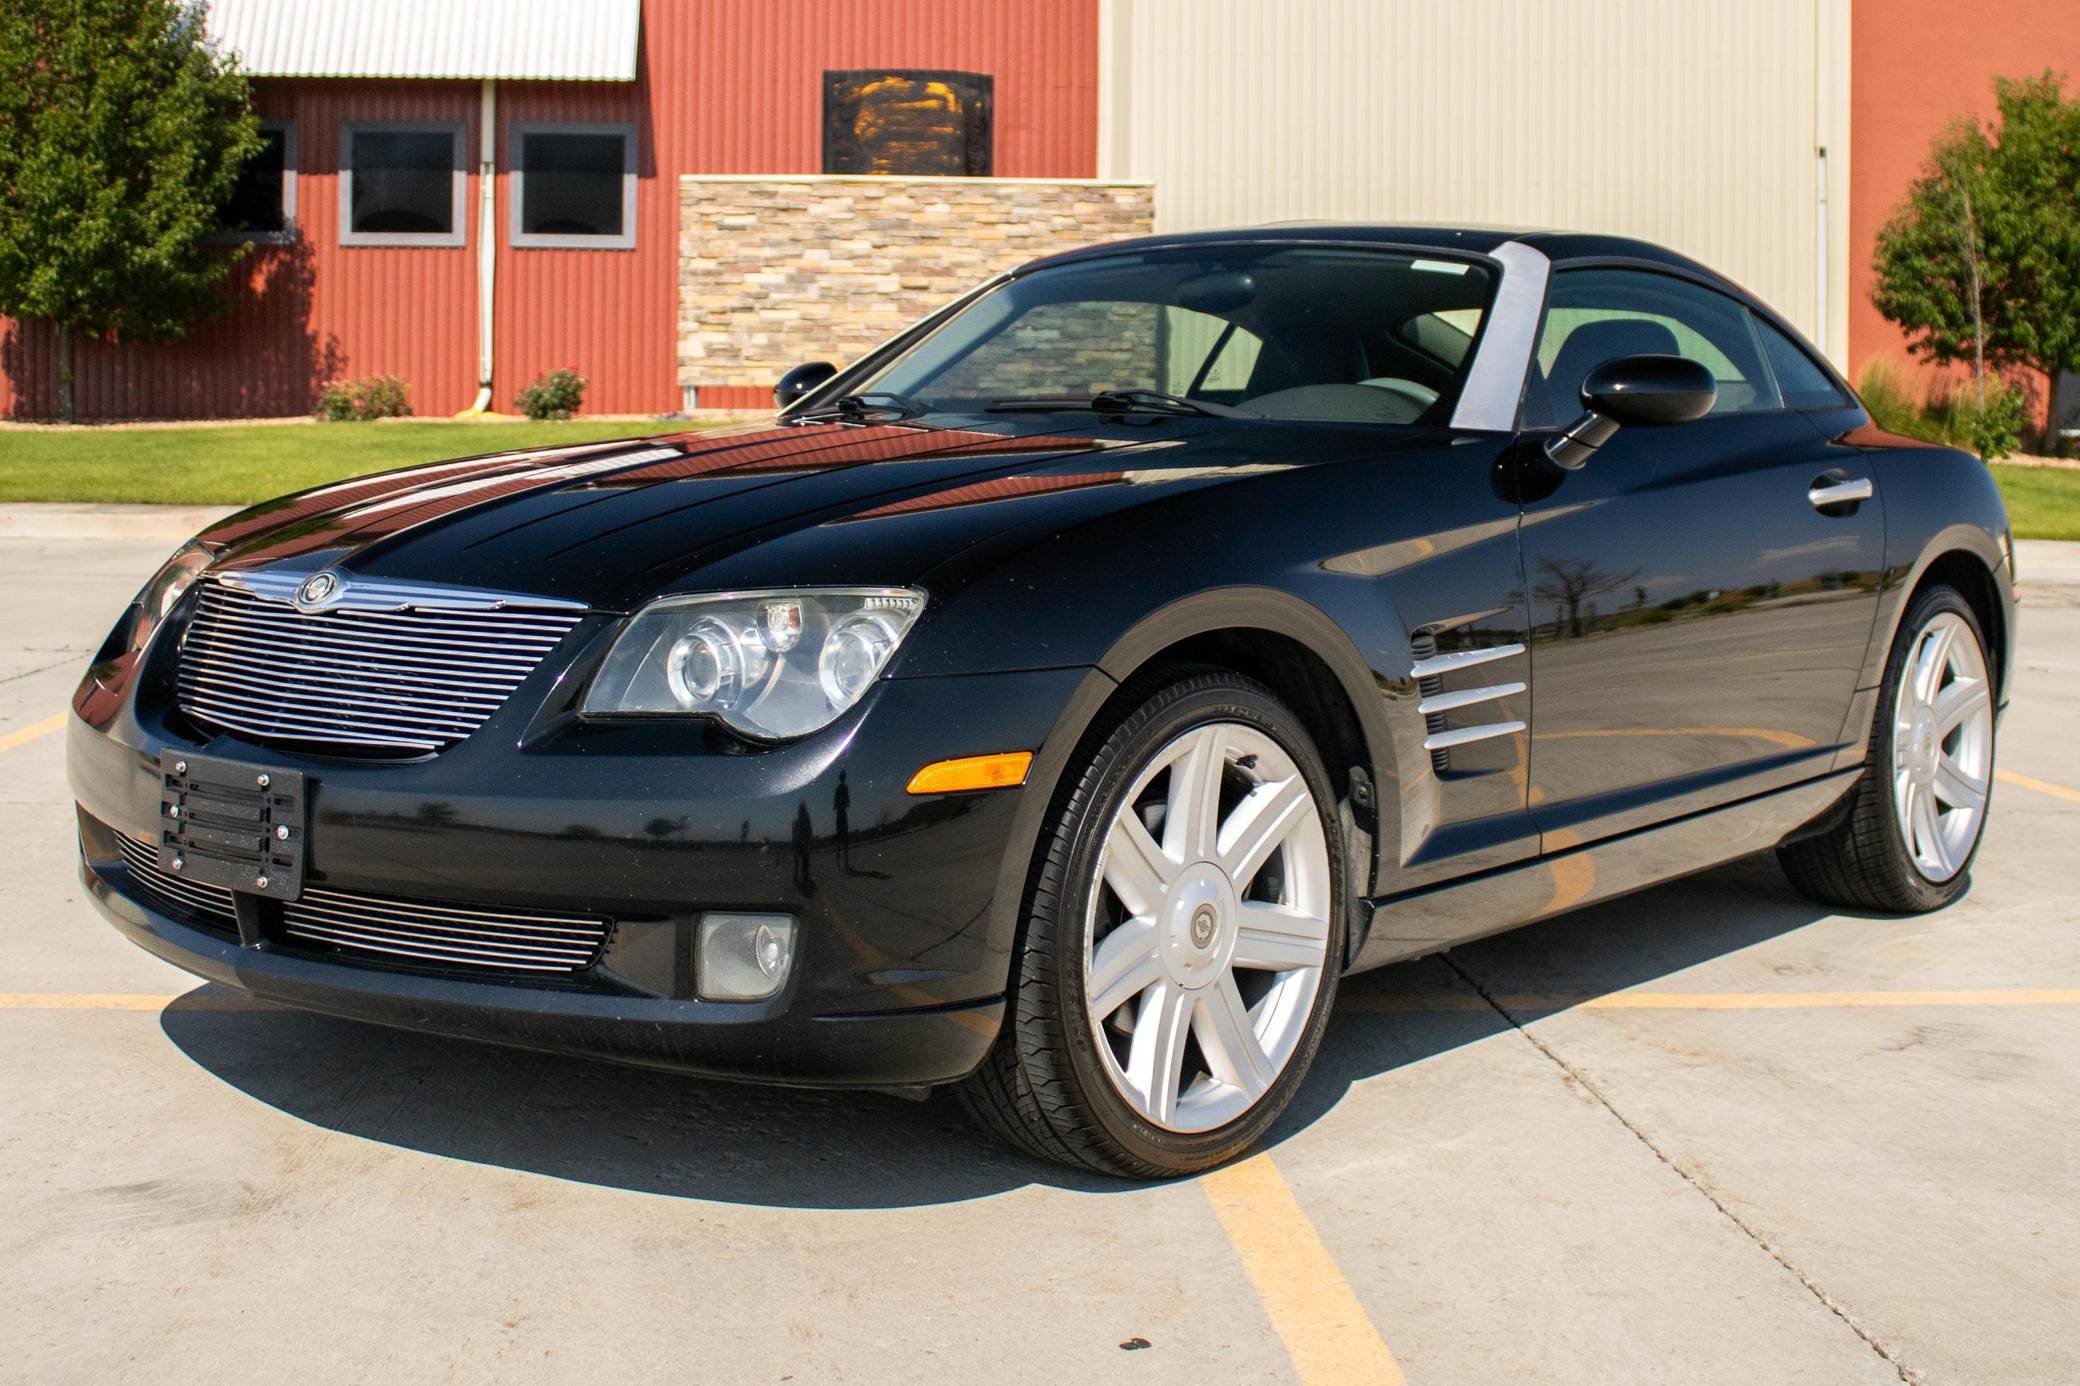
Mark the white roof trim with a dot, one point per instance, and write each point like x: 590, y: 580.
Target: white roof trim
x: 542, y: 40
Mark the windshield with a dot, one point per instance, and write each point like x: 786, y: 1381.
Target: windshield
x: 1282, y: 332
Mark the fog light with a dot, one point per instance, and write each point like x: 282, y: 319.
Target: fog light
x: 745, y: 957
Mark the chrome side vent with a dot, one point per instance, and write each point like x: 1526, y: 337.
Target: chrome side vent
x: 1438, y: 702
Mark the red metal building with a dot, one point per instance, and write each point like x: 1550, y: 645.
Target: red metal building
x: 1915, y: 66
x: 703, y: 86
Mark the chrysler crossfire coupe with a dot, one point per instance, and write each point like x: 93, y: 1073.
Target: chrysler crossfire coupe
x: 1056, y: 702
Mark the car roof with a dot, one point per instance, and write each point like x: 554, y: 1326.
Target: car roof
x: 1558, y: 246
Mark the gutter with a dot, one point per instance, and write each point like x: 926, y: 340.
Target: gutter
x: 487, y: 240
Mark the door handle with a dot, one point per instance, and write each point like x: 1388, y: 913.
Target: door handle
x: 1827, y: 493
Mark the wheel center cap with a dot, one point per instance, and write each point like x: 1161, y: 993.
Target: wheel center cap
x: 1924, y: 751
x: 1197, y: 933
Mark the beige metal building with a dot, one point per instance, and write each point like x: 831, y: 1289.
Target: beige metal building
x: 1717, y: 129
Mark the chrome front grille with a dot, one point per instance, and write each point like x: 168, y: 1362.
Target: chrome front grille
x: 369, y: 665
x: 495, y: 939
x: 204, y: 903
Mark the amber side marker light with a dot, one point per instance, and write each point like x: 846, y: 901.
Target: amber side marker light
x: 1001, y: 771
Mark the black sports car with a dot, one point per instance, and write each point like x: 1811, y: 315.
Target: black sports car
x: 1057, y: 701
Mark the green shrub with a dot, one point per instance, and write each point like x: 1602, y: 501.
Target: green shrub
x: 1950, y: 413
x: 554, y: 395
x: 1992, y: 429
x: 370, y: 397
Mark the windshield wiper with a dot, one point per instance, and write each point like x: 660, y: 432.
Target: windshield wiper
x: 866, y: 407
x: 1123, y: 402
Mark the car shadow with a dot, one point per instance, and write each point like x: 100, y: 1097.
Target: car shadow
x: 662, y: 1133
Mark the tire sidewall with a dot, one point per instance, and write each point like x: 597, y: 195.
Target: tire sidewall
x: 1899, y: 853
x: 1119, y: 762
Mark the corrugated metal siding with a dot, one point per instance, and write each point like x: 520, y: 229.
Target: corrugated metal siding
x: 546, y: 39
x: 1694, y: 125
x: 722, y: 86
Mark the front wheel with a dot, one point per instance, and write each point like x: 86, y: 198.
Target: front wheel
x: 1916, y: 817
x: 1184, y: 925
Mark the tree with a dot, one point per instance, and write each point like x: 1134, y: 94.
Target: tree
x: 121, y: 134
x: 1981, y: 262
x: 1573, y: 584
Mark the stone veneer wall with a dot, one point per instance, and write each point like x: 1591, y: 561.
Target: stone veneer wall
x: 777, y: 271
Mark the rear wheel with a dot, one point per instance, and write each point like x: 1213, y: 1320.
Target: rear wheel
x: 1183, y: 926
x: 1916, y: 817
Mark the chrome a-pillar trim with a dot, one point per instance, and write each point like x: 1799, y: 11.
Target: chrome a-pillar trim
x: 1495, y: 384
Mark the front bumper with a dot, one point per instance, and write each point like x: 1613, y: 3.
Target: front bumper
x: 716, y: 1039
x: 905, y: 925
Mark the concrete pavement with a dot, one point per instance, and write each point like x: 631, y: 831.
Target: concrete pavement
x: 1789, y: 1171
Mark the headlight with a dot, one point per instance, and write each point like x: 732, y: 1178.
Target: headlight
x: 166, y: 588
x: 769, y: 664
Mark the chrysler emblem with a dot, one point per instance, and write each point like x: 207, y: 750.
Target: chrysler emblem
x: 318, y: 591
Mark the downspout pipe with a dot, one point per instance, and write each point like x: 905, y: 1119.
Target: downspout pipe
x: 487, y: 240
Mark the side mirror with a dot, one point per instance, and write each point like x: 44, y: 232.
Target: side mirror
x: 1640, y: 390
x: 800, y: 381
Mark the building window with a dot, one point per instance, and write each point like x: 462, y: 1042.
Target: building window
x: 884, y: 121
x: 262, y: 206
x: 403, y: 183
x: 574, y: 186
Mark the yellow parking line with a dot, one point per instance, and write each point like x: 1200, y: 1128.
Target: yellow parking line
x: 2056, y: 791
x: 1714, y: 1000
x: 1317, y: 1314
x: 35, y: 731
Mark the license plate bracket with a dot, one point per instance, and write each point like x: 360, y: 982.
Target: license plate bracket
x: 233, y: 824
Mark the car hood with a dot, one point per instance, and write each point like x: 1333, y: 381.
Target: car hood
x: 611, y: 524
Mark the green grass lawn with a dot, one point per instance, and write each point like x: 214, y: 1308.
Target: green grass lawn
x: 237, y: 466
x: 2043, y: 502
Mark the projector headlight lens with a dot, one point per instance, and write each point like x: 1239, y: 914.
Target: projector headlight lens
x: 772, y: 665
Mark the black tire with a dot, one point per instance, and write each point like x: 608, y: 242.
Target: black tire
x: 1863, y: 862
x: 1043, y: 1088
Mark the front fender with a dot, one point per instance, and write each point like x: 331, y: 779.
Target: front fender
x: 1938, y: 501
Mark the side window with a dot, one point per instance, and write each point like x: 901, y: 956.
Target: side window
x: 1803, y: 384
x: 1596, y: 314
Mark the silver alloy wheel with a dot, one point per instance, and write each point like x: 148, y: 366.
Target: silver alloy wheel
x: 1208, y: 927
x: 1942, y: 747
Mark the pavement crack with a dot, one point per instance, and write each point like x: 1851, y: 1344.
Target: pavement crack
x: 1827, y: 1301
x: 39, y: 669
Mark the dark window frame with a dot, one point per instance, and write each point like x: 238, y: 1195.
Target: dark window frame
x: 458, y: 132
x: 978, y: 138
x: 517, y: 133
x: 287, y: 234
